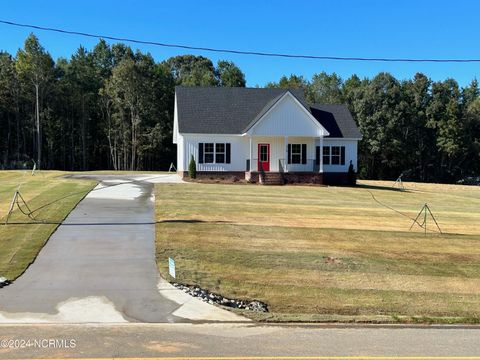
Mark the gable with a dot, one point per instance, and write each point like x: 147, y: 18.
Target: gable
x: 221, y: 110
x: 287, y: 117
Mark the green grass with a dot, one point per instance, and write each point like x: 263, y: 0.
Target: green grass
x: 21, y: 240
x: 318, y: 253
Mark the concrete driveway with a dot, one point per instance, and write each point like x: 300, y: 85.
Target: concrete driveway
x: 99, y: 266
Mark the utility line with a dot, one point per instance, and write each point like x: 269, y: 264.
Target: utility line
x: 239, y: 52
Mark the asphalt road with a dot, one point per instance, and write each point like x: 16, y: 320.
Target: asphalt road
x: 241, y: 341
x: 99, y: 266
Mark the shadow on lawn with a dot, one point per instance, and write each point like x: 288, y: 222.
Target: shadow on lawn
x: 378, y: 187
x: 40, y: 222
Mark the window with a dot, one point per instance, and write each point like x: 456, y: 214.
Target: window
x: 335, y: 155
x: 208, y: 153
x: 263, y: 153
x: 220, y: 153
x: 296, y: 155
x: 326, y: 155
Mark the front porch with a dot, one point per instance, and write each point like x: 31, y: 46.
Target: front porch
x: 283, y: 159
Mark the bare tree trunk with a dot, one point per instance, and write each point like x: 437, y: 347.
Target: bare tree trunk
x: 17, y: 119
x: 39, y: 141
x: 133, y: 145
x: 83, y: 130
x: 72, y: 142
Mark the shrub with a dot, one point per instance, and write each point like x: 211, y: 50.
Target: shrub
x: 352, y: 176
x: 192, y: 168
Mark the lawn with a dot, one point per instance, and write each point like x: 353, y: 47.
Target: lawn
x: 327, y: 253
x: 23, y: 238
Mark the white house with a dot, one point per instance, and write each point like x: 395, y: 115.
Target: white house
x: 271, y: 135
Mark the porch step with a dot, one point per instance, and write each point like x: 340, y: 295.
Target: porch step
x: 269, y: 178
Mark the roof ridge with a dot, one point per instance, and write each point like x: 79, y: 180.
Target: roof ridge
x: 237, y: 87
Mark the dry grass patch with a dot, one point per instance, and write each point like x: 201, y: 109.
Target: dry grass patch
x: 309, y: 251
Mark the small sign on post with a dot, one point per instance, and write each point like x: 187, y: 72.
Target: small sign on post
x: 171, y: 267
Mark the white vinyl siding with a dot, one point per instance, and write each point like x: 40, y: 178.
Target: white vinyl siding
x: 287, y: 118
x: 335, y: 147
x: 238, y: 151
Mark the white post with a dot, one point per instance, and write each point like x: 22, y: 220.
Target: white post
x: 286, y: 153
x: 251, y: 165
x: 320, y: 170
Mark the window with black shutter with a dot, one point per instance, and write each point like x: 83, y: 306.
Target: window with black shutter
x: 200, y: 153
x: 296, y: 156
x: 228, y: 153
x: 219, y: 153
x: 326, y: 155
x: 208, y: 152
x: 335, y: 155
x: 297, y: 153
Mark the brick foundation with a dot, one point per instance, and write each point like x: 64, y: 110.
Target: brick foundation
x: 289, y: 177
x: 221, y: 175
x: 303, y: 178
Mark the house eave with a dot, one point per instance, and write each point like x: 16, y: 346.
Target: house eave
x: 343, y: 138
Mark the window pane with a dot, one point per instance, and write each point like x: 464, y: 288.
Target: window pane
x: 326, y: 150
x: 220, y: 158
x: 208, y: 152
x: 208, y: 158
x: 220, y: 148
x: 208, y: 147
x: 296, y: 159
x: 263, y: 153
x: 296, y: 148
x: 335, y: 150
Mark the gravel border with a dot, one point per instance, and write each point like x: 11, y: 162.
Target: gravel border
x: 212, y: 298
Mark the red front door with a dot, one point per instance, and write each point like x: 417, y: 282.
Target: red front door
x: 264, y: 157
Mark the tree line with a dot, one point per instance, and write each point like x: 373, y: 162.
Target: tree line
x: 109, y: 108
x: 422, y: 129
x: 112, y: 108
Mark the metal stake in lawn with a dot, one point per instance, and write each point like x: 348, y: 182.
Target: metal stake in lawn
x: 425, y: 209
x: 15, y: 201
x: 399, y: 183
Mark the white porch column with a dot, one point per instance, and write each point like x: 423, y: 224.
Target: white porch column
x: 251, y: 165
x: 286, y: 154
x: 320, y: 169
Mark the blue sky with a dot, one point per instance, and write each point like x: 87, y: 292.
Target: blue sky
x: 363, y: 28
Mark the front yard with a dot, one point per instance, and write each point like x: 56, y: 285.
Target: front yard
x: 327, y: 253
x: 23, y: 238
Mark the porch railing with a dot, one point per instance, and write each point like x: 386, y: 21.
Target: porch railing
x: 253, y: 166
x: 309, y: 166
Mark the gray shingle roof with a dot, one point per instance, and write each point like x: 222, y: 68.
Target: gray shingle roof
x: 223, y: 110
x: 337, y: 119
